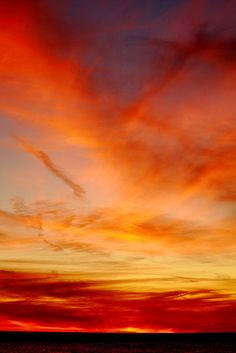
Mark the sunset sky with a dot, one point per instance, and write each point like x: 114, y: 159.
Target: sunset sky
x: 118, y: 165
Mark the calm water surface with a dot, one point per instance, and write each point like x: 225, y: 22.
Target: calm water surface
x: 115, y: 348
x: 119, y: 344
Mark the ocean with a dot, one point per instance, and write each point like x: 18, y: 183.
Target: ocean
x: 116, y: 343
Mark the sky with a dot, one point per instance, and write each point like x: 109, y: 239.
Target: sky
x: 118, y: 165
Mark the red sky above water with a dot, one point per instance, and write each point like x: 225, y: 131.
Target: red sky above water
x: 117, y: 152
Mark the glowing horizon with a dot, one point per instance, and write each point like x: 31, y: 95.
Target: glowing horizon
x: 118, y: 173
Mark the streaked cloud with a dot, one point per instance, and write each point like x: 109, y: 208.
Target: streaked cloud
x: 56, y: 302
x: 48, y: 163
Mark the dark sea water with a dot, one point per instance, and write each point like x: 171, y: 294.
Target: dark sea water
x: 118, y: 343
x: 113, y: 348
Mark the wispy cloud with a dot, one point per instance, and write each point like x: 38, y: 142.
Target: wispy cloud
x: 51, y: 166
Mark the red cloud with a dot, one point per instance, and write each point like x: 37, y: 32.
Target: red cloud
x: 47, y: 301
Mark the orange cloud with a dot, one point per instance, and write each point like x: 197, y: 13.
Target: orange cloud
x: 139, y: 139
x: 146, y: 95
x: 117, y: 228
